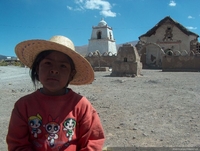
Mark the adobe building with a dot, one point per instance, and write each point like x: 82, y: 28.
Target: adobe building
x: 127, y: 62
x: 167, y: 37
x: 102, y: 39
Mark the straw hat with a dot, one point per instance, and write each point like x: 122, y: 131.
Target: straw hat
x: 28, y: 50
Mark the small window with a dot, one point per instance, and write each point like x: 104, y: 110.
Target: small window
x: 110, y: 36
x: 99, y: 35
x: 125, y: 59
x: 169, y: 28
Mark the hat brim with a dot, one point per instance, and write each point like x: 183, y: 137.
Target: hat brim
x: 28, y: 50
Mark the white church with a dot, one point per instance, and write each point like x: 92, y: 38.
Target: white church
x: 102, y: 39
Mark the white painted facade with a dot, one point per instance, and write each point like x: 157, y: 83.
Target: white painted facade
x: 102, y: 39
x: 180, y: 41
x: 171, y: 37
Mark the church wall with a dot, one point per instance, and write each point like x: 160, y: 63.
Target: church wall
x: 154, y: 55
x: 103, y: 33
x: 110, y: 34
x: 178, y: 44
x: 185, y: 42
x: 180, y: 41
x: 100, y: 45
x: 94, y: 34
x: 112, y: 47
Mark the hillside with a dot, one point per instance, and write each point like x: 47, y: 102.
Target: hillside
x: 2, y: 57
x: 83, y: 49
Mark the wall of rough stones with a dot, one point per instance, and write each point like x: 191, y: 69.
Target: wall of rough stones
x: 181, y: 63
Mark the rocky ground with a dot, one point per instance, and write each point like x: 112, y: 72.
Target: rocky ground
x: 153, y: 110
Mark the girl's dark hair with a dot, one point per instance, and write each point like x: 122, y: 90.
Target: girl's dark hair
x: 35, y: 66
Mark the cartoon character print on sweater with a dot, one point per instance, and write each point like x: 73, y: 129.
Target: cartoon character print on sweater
x: 69, y: 125
x: 52, y: 128
x: 35, y: 122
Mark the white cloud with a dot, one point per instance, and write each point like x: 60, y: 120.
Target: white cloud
x: 77, y: 8
x: 190, y: 17
x: 172, y: 3
x: 70, y: 8
x: 107, y: 13
x: 74, y: 9
x: 78, y: 1
x: 102, y: 5
x: 191, y: 28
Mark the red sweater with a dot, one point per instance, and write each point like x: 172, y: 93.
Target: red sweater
x: 52, y: 123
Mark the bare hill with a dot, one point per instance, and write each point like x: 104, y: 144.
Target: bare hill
x: 2, y: 57
x: 83, y: 50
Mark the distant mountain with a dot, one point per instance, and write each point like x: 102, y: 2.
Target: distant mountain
x: 2, y: 57
x: 83, y: 50
x: 131, y: 42
x: 7, y: 58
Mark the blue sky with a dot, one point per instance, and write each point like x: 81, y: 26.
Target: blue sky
x: 41, y: 19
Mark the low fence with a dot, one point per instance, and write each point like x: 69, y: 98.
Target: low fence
x: 181, y: 63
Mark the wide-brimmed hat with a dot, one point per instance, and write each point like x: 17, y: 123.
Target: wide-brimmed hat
x: 28, y: 50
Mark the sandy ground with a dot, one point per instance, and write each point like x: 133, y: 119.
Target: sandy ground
x: 155, y: 110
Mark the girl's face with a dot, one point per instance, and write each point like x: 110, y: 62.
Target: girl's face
x: 54, y: 73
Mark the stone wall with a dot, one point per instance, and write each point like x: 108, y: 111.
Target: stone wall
x: 127, y: 62
x: 126, y: 69
x: 101, y: 61
x: 181, y: 63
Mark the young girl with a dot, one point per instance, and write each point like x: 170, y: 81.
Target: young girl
x: 54, y: 118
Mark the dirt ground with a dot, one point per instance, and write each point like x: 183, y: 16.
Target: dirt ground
x: 153, y: 110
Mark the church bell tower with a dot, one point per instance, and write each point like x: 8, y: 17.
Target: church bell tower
x: 102, y: 39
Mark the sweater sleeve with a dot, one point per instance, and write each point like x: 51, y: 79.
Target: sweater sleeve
x: 17, y: 137
x: 91, y: 135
